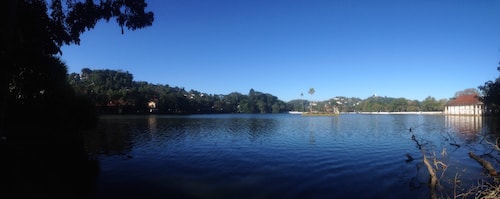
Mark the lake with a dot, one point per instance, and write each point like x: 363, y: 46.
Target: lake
x: 285, y: 156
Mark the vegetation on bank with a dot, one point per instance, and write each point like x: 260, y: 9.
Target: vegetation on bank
x: 42, y: 119
x: 491, y: 95
x: 373, y: 104
x: 115, y: 91
x: 44, y: 156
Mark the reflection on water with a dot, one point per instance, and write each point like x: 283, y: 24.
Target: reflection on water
x: 152, y: 125
x: 278, y: 156
x: 113, y: 137
x: 464, y: 124
x: 468, y: 128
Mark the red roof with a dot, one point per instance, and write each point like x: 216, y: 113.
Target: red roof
x: 465, y: 100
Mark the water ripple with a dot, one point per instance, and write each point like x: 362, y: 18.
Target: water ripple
x: 277, y: 156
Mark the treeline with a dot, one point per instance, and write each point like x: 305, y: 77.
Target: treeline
x: 115, y: 91
x: 371, y: 104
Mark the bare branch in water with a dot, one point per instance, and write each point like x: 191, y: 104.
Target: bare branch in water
x: 487, y: 165
x: 433, y: 181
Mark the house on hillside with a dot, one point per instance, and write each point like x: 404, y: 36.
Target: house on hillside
x: 153, y: 106
x: 465, y: 105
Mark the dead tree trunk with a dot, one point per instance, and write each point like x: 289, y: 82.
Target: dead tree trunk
x: 487, y: 165
x: 433, y: 179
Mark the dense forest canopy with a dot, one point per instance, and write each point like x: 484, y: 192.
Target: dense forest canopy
x: 116, y: 92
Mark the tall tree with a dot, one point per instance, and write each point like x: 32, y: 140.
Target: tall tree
x: 36, y: 149
x: 491, y: 95
x: 311, y: 91
x: 398, y: 105
x: 468, y: 91
x: 430, y: 104
x: 32, y: 34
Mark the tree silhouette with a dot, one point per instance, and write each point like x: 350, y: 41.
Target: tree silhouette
x: 32, y: 35
x: 311, y: 91
x: 303, y: 106
x: 468, y: 91
x: 41, y: 118
x: 491, y: 95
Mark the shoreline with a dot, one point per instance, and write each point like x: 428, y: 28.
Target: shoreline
x: 398, y: 113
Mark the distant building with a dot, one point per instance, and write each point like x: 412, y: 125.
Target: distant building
x: 464, y: 105
x: 153, y: 106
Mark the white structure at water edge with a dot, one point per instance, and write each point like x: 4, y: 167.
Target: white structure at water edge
x: 465, y: 105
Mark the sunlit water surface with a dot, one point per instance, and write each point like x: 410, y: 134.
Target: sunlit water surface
x: 281, y: 156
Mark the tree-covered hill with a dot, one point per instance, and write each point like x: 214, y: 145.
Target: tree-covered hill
x: 371, y: 104
x: 115, y: 91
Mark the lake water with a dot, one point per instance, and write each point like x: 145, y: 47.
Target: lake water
x: 284, y: 156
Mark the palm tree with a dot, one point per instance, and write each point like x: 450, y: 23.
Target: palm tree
x: 302, y: 98
x: 311, y: 92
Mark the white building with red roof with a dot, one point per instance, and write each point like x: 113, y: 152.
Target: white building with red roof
x: 464, y: 105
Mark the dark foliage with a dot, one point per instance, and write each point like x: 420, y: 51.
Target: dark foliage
x: 41, y: 117
x: 115, y: 92
x: 491, y: 95
x: 32, y: 76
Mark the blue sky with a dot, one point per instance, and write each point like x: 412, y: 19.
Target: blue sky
x: 411, y: 49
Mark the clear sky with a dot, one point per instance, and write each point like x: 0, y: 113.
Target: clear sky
x: 401, y: 48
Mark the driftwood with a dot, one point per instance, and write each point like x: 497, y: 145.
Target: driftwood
x: 416, y: 141
x: 487, y: 165
x: 409, y: 158
x: 495, y: 145
x: 433, y: 179
x: 456, y: 145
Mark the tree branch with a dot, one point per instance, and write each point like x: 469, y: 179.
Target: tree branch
x: 487, y: 165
